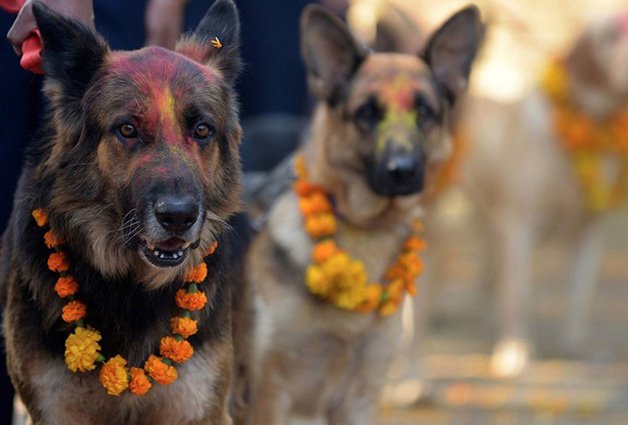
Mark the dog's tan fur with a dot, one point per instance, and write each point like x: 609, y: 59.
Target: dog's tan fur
x: 311, y: 359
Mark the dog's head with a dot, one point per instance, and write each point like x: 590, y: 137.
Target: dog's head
x: 598, y: 66
x: 385, y: 114
x: 146, y: 151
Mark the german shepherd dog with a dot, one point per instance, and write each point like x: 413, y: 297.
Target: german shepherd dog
x: 312, y: 360
x: 137, y: 168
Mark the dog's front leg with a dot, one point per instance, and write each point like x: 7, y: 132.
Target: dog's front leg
x: 585, y: 268
x: 514, y: 238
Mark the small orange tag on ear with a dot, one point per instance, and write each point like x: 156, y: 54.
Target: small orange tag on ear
x: 216, y: 43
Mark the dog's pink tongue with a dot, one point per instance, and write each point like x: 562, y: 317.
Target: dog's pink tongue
x: 171, y: 244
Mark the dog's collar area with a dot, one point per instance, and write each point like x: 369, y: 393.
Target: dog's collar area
x: 334, y: 276
x: 82, y: 348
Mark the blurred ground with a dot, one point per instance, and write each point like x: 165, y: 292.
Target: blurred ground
x: 559, y: 388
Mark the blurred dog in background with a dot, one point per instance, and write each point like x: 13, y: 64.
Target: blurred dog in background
x: 556, y: 162
x: 379, y: 135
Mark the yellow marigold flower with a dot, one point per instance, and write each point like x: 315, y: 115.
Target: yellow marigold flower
x: 190, y: 301
x: 349, y: 298
x: 320, y: 225
x: 317, y: 281
x: 57, y: 262
x: 73, y: 311
x: 197, y: 274
x: 184, y: 326
x: 140, y: 384
x: 82, y: 349
x: 388, y: 308
x: 299, y: 167
x: 40, y: 216
x: 114, y: 375
x: 66, y: 286
x: 324, y: 250
x: 52, y: 240
x: 178, y: 351
x: 162, y: 373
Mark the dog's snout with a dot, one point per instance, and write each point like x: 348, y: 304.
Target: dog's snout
x: 402, y: 168
x: 176, y: 214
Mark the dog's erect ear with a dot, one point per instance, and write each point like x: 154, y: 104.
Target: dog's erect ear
x: 330, y: 52
x: 71, y: 52
x: 452, y: 48
x: 216, y: 40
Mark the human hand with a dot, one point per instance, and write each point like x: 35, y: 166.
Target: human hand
x: 164, y: 22
x: 24, y: 24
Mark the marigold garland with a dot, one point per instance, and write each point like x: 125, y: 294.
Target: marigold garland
x: 336, y: 277
x: 82, y: 351
x: 588, y: 142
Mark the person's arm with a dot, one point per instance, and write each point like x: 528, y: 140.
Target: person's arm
x: 164, y: 22
x: 24, y: 24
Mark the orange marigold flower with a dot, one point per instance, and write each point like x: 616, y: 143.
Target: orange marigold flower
x: 323, y: 250
x: 315, y: 203
x: 52, y: 240
x: 212, y: 248
x: 140, y: 384
x: 410, y: 287
x: 114, y: 375
x: 40, y: 216
x: 197, y: 274
x: 303, y: 188
x: 372, y: 297
x: 66, y: 286
x: 178, y: 351
x: 57, y: 262
x: 73, y: 311
x: 190, y: 301
x: 320, y: 225
x: 414, y: 244
x: 184, y: 326
x: 159, y: 371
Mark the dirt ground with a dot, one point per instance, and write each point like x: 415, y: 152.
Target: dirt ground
x: 558, y: 388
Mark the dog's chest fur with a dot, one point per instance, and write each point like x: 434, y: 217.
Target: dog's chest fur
x: 185, y: 401
x: 321, y: 346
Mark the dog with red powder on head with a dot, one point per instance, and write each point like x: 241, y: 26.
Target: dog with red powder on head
x: 117, y: 277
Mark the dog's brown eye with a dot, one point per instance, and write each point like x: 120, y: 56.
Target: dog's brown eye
x: 202, y: 131
x: 127, y: 131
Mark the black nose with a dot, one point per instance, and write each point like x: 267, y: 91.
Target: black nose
x: 402, y: 168
x: 176, y: 214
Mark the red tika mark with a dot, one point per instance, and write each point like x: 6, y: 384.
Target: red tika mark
x: 399, y: 94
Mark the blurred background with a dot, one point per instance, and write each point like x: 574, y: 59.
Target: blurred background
x: 452, y: 380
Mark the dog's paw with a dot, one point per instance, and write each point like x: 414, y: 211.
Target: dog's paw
x: 510, y: 358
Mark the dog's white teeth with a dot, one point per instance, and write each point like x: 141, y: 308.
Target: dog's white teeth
x: 151, y: 246
x: 156, y: 253
x: 180, y: 253
x: 162, y: 256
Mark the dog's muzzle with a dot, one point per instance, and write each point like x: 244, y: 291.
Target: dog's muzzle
x: 397, y: 173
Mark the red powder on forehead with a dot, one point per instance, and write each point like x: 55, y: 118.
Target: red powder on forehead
x: 155, y: 63
x: 399, y: 93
